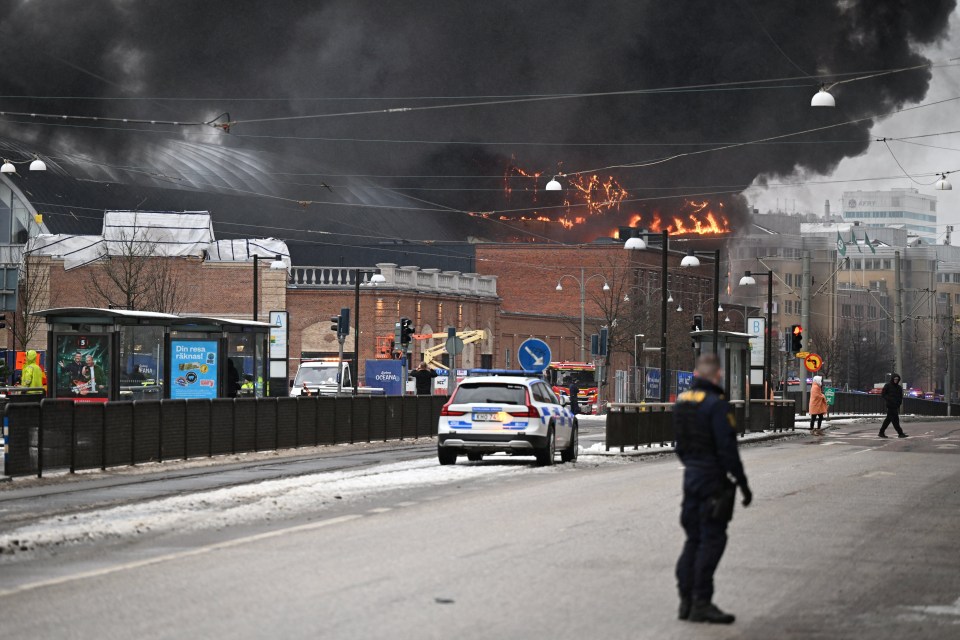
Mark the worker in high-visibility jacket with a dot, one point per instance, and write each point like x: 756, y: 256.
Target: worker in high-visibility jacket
x: 32, y: 375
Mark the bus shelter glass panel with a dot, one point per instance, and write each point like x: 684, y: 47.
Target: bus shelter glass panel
x: 245, y: 357
x: 141, y: 362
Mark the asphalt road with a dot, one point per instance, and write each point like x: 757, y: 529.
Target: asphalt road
x: 849, y: 536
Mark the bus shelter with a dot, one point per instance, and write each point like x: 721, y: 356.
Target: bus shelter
x: 98, y: 354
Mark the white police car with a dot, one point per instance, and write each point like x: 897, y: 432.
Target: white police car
x: 506, y: 412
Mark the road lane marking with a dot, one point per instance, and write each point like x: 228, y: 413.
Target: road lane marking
x: 405, y: 504
x: 380, y: 510
x: 179, y: 555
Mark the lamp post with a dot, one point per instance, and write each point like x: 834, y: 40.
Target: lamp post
x: 691, y: 260
x: 276, y: 264
x: 636, y: 377
x: 748, y: 280
x: 375, y: 279
x: 637, y: 244
x: 582, y: 281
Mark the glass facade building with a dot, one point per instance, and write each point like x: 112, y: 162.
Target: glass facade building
x: 906, y: 208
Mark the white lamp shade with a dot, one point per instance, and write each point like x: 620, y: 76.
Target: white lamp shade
x: 8, y: 167
x: 690, y: 261
x: 727, y: 319
x: 943, y: 184
x: 626, y: 297
x: 669, y: 297
x: 377, y: 278
x: 559, y: 288
x: 554, y: 185
x: 746, y: 281
x: 38, y: 165
x: 680, y: 307
x: 823, y: 98
x: 719, y: 308
x: 634, y: 244
x: 606, y: 287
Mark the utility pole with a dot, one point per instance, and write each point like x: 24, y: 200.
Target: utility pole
x: 805, y: 323
x: 948, y: 376
x: 897, y: 316
x: 933, y: 324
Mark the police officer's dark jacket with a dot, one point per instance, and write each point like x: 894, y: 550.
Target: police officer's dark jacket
x: 706, y: 435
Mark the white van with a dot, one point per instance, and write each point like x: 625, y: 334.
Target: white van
x: 320, y: 377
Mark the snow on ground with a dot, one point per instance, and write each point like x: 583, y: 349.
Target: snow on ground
x: 254, y: 502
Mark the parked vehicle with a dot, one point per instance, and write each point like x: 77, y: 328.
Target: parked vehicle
x: 319, y: 377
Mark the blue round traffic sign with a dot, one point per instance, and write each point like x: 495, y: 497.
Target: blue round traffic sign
x: 534, y: 355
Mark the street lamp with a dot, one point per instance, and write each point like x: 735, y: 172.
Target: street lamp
x: 637, y: 243
x: 691, y: 260
x: 276, y: 264
x: 375, y: 279
x: 749, y: 280
x: 582, y: 281
x: 35, y: 165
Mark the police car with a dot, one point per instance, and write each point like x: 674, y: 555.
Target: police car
x: 506, y: 411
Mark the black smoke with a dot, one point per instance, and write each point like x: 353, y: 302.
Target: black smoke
x: 191, y: 61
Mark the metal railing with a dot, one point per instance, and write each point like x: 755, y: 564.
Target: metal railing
x: 67, y: 435
x: 643, y: 424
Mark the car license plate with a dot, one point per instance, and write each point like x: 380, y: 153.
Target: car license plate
x: 486, y: 417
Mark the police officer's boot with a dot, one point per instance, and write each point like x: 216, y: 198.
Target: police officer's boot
x: 708, y: 612
x: 685, y: 605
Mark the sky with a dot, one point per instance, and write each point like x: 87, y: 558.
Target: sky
x: 878, y: 168
x: 451, y: 102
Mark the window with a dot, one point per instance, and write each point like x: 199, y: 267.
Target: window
x: 887, y: 264
x: 871, y: 312
x: 789, y: 279
x: 788, y: 307
x: 858, y: 311
x: 846, y: 311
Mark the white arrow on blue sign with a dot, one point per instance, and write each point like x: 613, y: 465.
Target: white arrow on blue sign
x: 534, y: 355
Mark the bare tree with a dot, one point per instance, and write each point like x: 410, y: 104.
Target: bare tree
x: 33, y: 286
x: 131, y: 275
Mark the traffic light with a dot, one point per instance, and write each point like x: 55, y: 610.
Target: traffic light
x: 796, y: 338
x: 341, y: 323
x: 697, y: 322
x: 406, y: 330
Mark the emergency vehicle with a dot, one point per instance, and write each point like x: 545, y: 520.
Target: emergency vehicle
x: 585, y: 373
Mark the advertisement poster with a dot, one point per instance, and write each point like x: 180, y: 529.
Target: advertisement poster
x: 386, y: 375
x: 82, y: 365
x: 684, y: 380
x: 652, y: 385
x: 193, y: 368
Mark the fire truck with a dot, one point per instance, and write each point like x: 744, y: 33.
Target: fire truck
x: 559, y: 375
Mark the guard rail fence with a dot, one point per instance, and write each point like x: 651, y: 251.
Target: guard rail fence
x: 868, y: 403
x: 635, y: 425
x: 66, y: 435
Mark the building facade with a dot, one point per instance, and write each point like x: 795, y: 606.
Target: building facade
x: 903, y: 207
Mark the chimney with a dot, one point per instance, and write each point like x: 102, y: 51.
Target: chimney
x: 826, y: 209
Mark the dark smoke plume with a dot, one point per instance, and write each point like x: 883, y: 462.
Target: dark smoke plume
x: 311, y: 57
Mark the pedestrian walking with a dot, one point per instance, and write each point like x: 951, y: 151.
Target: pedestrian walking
x: 892, y: 395
x: 818, y: 403
x: 573, y: 391
x: 424, y: 377
x: 706, y: 436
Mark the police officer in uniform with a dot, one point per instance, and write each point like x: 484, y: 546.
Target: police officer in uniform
x: 706, y: 439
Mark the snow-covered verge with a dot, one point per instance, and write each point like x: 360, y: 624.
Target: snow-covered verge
x: 272, y: 499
